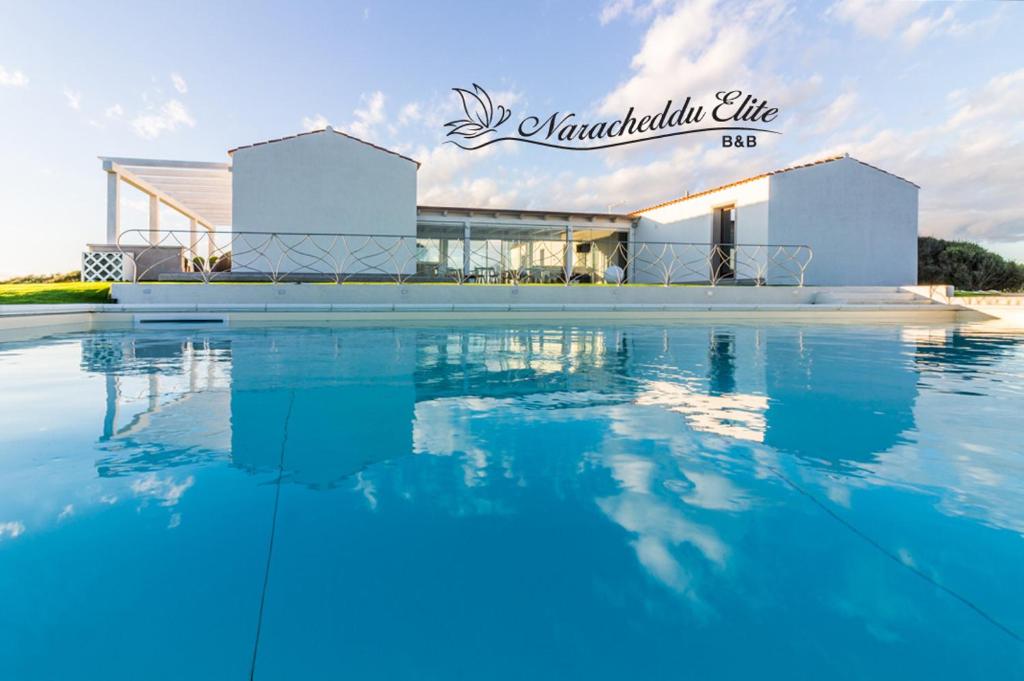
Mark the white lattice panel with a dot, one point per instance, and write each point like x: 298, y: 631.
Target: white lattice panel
x: 107, y: 266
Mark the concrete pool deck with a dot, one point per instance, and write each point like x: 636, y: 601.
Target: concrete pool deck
x: 156, y: 305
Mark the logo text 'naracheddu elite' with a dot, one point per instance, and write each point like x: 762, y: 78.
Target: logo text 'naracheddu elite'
x: 733, y: 111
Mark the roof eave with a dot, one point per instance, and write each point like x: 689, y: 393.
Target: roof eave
x: 705, y: 192
x: 327, y: 129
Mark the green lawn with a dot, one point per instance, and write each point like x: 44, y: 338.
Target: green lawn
x: 69, y: 292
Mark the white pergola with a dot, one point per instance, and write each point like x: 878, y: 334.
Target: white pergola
x: 200, y: 191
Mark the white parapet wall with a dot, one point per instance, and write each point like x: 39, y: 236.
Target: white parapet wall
x: 441, y: 295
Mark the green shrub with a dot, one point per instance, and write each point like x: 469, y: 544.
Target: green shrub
x: 221, y: 264
x: 44, y: 278
x: 966, y: 265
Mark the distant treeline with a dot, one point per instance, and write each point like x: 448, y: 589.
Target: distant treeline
x: 967, y: 266
x: 44, y: 278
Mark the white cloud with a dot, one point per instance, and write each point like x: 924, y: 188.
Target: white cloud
x: 969, y: 165
x: 441, y: 179
x: 714, y: 492
x: 883, y: 19
x: 921, y: 27
x: 179, y: 83
x: 171, y: 115
x: 633, y: 473
x: 612, y: 10
x: 658, y: 527
x: 317, y: 122
x: 12, y: 529
x: 876, y: 18
x: 945, y: 24
x: 113, y: 111
x: 74, y: 98
x: 166, y: 490
x: 368, y: 489
x: 692, y: 51
x: 368, y: 117
x: 12, y: 78
x: 409, y: 113
x: 837, y: 112
x: 482, y: 192
x: 638, y: 10
x: 68, y: 511
x: 447, y: 178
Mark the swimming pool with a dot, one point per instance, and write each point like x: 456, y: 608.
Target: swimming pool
x: 505, y: 502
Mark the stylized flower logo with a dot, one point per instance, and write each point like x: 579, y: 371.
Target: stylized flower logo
x: 481, y: 115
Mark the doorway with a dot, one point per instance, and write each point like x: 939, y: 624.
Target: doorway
x: 723, y: 242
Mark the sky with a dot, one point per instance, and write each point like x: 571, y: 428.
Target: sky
x: 933, y: 92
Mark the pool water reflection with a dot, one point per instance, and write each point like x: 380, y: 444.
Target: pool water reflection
x: 486, y: 502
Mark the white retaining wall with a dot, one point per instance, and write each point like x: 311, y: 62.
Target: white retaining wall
x: 471, y: 294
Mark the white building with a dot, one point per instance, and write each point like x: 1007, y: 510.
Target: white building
x: 859, y: 221
x: 325, y: 204
x: 322, y: 184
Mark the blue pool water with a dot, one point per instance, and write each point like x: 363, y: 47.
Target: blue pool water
x: 526, y: 502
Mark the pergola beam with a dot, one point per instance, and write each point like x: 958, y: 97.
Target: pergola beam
x: 199, y: 191
x: 185, y: 183
x: 113, y: 207
x: 154, y: 220
x: 161, y: 163
x: 117, y: 170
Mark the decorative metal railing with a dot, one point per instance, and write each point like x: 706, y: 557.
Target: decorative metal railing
x: 210, y: 256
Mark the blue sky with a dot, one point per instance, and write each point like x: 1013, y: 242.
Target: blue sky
x: 931, y: 91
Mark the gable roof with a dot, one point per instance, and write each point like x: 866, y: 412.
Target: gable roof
x: 764, y: 175
x: 317, y: 132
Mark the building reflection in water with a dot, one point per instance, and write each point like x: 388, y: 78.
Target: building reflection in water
x: 722, y: 363
x: 360, y: 395
x: 664, y: 483
x: 344, y: 400
x: 168, y: 400
x: 837, y: 402
x: 709, y: 396
x: 347, y: 399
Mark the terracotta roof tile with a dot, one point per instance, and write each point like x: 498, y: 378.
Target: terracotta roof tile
x: 763, y: 175
x: 315, y: 132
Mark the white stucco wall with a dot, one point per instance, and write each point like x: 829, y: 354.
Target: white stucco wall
x: 323, y: 182
x: 692, y: 221
x: 860, y: 222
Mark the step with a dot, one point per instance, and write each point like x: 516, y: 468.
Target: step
x: 866, y: 298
